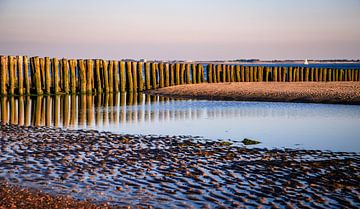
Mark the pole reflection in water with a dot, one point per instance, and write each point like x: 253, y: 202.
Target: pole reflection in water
x: 274, y: 124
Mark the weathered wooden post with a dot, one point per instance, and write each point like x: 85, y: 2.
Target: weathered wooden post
x: 153, y: 75
x: 261, y: 73
x: 172, y: 74
x: 161, y: 75
x: 82, y: 76
x: 214, y: 77
x: 72, y: 64
x: 182, y: 73
x: 290, y: 74
x: 130, y: 84
x: 98, y: 82
x: 134, y: 73
x: 47, y: 81
x: 37, y: 76
x: 140, y: 76
x: 223, y: 73
x: 218, y: 73
x: 26, y: 75
x: 105, y: 71
x: 267, y: 74
x: 116, y: 76
x: 42, y: 73
x: 306, y: 74
x: 346, y: 75
x: 297, y: 74
x: 321, y: 73
x: 11, y: 75
x: 177, y: 73
x: 238, y: 75
x: 317, y: 72
x: 242, y: 73
x: 20, y: 75
x: 122, y: 77
x: 111, y: 76
x: 275, y: 74
x: 66, y: 76
x: 188, y: 73
x: 199, y: 73
x: 228, y: 73
x: 55, y: 71
x: 194, y: 70
x: 3, y: 77
x: 167, y: 75
x: 147, y: 76
x: 89, y: 75
x: 209, y: 73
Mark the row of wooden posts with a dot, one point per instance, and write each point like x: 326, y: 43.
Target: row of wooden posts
x: 21, y: 75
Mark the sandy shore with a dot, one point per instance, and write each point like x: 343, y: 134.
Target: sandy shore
x: 307, y: 92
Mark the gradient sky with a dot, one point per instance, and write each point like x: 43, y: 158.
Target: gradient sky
x: 181, y: 29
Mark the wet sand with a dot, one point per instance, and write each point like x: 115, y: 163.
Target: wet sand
x: 306, y: 92
x: 17, y: 197
x: 172, y: 171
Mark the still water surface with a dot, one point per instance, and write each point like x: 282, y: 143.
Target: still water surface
x: 276, y: 125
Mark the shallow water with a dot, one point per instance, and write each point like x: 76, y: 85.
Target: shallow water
x: 292, y: 125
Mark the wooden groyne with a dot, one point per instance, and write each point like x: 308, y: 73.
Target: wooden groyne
x: 21, y: 75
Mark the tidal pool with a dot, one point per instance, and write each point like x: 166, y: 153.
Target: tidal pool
x: 276, y: 125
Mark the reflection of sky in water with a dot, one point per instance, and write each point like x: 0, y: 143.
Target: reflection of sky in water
x: 315, y: 126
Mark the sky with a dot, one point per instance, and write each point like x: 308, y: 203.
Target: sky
x: 181, y: 29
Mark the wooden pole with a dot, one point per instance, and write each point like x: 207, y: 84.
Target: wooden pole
x: 11, y: 75
x: 55, y: 71
x: 98, y: 76
x: 129, y: 77
x: 214, y: 77
x: 140, y: 76
x: 267, y: 74
x: 111, y: 76
x: 89, y: 75
x: 66, y: 76
x: 147, y: 76
x: 116, y: 76
x: 306, y: 74
x: 177, y: 73
x: 82, y: 76
x: 161, y: 75
x: 42, y: 73
x: 47, y: 76
x: 105, y: 71
x: 153, y: 75
x: 134, y: 73
x: 3, y: 77
x: 228, y: 73
x: 73, y: 75
x: 182, y: 73
x: 38, y: 76
x: 172, y: 74
x: 20, y: 75
x: 209, y: 73
x: 199, y: 69
x: 247, y: 74
x: 167, y: 75
x: 188, y: 73
x: 122, y: 77
x: 26, y: 75
x: 194, y: 73
x: 275, y: 74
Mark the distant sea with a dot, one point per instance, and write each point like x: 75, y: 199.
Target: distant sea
x: 311, y: 65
